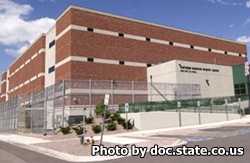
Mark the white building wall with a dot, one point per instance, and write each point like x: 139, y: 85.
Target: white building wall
x: 50, y: 58
x: 214, y: 80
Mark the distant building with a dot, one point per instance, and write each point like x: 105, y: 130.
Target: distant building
x: 86, y: 44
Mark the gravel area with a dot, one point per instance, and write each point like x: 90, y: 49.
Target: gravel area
x: 70, y: 143
x: 74, y: 147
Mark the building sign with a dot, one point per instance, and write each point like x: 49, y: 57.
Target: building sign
x: 196, y: 69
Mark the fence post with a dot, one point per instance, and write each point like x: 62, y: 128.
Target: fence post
x: 226, y: 108
x: 31, y: 115
x: 90, y: 97
x: 133, y: 92
x: 63, y: 101
x: 179, y: 109
x: 199, y: 111
x: 211, y: 109
x: 112, y: 94
x: 45, y: 110
x: 54, y: 120
x: 239, y: 110
x: 151, y: 82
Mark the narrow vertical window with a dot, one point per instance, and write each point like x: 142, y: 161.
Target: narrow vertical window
x: 52, y: 43
x: 51, y: 69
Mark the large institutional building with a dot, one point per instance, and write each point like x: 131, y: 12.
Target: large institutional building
x: 86, y: 44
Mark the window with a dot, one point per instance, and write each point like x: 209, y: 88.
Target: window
x: 240, y: 89
x: 149, y: 65
x: 121, y: 62
x: 191, y: 46
x: 51, y: 69
x: 147, y: 39
x: 90, y: 59
x: 90, y: 29
x: 52, y: 43
x: 171, y: 43
x: 120, y: 34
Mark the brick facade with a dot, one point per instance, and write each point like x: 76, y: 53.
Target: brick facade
x: 84, y: 44
x: 31, y: 69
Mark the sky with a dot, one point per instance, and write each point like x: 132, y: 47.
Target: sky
x: 22, y: 21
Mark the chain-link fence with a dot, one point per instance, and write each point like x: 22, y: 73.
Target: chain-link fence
x: 63, y: 103
x: 206, y: 105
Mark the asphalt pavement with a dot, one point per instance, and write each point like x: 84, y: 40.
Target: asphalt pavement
x: 209, y: 134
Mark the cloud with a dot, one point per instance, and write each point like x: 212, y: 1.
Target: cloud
x: 224, y: 2
x: 247, y: 21
x: 16, y: 52
x: 245, y: 39
x: 248, y: 4
x: 47, y: 0
x: 17, y: 31
x: 231, y: 25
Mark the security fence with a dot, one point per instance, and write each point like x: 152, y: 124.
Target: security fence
x: 231, y: 104
x: 61, y: 104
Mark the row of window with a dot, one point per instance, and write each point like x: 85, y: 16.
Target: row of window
x: 120, y: 62
x: 149, y: 39
x: 52, y: 69
x: 52, y: 43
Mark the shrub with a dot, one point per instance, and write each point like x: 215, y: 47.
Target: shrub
x: 65, y: 130
x: 111, y: 127
x: 96, y: 129
x: 115, y: 116
x: 89, y: 120
x: 120, y: 120
x: 130, y: 125
x: 99, y: 108
x: 78, y: 130
x: 107, y: 115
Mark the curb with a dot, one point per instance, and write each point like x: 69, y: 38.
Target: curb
x: 73, y: 158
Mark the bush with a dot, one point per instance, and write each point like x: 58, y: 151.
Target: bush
x: 89, y: 120
x: 115, y: 116
x: 120, y: 120
x: 78, y: 130
x: 107, y: 115
x: 65, y: 130
x: 96, y: 129
x: 99, y: 108
x: 130, y: 125
x: 111, y: 127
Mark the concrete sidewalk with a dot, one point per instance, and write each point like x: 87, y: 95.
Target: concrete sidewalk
x: 139, y: 138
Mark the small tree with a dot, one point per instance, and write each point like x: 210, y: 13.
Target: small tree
x: 99, y: 108
x: 78, y: 130
x: 115, y: 116
x: 96, y: 129
x: 111, y: 127
x: 130, y: 125
x: 65, y: 130
x: 89, y: 120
